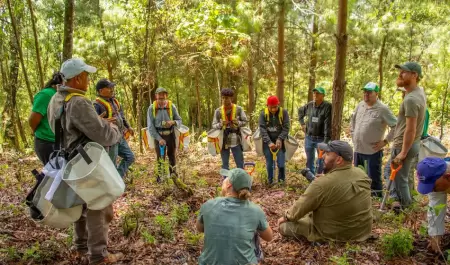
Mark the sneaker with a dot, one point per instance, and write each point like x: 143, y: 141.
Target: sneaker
x: 111, y: 258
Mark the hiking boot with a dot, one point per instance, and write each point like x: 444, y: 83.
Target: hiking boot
x: 110, y: 259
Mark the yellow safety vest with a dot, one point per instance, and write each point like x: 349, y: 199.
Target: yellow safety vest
x: 280, y: 115
x: 107, y: 105
x: 224, y: 116
x: 169, y: 105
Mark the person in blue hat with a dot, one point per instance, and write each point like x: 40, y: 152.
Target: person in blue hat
x: 433, y: 176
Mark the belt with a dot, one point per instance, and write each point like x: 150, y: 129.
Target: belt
x: 165, y: 132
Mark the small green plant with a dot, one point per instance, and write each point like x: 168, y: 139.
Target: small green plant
x: 193, y: 238
x: 132, y: 220
x: 201, y: 183
x: 11, y: 253
x: 340, y: 260
x: 352, y: 248
x: 398, y: 244
x: 147, y: 237
x: 32, y: 253
x: 165, y: 225
x: 180, y: 213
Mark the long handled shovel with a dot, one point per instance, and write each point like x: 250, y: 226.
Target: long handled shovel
x: 163, y: 173
x: 391, y: 180
x: 274, y: 161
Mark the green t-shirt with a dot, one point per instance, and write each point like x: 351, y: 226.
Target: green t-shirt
x: 230, y: 227
x: 40, y: 104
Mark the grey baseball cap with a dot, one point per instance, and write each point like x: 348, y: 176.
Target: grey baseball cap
x: 411, y: 67
x: 161, y: 90
x: 74, y: 67
x: 238, y: 177
x: 341, y: 148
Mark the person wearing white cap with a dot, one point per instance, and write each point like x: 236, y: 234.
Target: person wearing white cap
x: 73, y: 117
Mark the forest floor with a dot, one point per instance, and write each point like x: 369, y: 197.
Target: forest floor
x: 155, y: 223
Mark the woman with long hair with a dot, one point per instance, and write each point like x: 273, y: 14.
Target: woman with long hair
x: 44, y: 138
x: 233, y: 224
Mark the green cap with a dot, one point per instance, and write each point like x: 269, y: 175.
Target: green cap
x: 238, y: 177
x: 411, y: 67
x: 161, y: 90
x: 320, y: 90
x: 371, y: 86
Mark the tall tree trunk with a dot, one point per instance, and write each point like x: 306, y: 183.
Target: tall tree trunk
x: 8, y: 115
x: 380, y: 65
x: 197, y: 89
x: 251, y: 90
x: 444, y: 111
x: 280, y: 65
x: 69, y: 12
x: 36, y: 44
x: 339, y: 73
x: 21, y: 129
x: 19, y: 49
x: 411, y: 34
x: 313, y: 53
x: 139, y: 118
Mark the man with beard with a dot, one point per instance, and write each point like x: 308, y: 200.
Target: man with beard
x: 409, y: 129
x: 368, y: 126
x: 336, y: 206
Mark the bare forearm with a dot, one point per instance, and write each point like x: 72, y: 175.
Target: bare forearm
x: 408, y: 139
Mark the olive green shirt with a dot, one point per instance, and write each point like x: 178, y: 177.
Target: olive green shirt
x: 340, y: 203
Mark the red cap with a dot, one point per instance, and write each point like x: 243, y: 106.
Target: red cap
x: 272, y: 101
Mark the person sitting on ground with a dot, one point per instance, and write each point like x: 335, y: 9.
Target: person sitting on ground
x: 232, y: 223
x: 44, y: 138
x: 336, y: 206
x: 433, y: 175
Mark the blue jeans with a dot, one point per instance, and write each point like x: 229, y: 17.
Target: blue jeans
x: 281, y: 161
x: 311, y: 149
x: 127, y: 157
x: 372, y: 166
x: 113, y: 153
x: 237, y: 154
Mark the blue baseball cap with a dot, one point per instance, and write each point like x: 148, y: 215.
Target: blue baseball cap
x: 428, y: 171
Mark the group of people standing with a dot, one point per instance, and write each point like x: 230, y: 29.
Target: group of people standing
x: 335, y: 206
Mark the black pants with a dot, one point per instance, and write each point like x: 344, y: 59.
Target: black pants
x: 168, y: 151
x: 43, y: 149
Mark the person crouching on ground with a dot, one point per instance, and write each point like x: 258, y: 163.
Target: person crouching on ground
x: 231, y: 222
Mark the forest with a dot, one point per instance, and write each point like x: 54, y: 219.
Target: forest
x: 194, y: 48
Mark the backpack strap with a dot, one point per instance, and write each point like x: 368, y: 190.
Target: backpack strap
x: 107, y: 105
x: 169, y: 108
x: 280, y: 115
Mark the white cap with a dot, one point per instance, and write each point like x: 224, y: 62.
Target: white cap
x: 74, y: 67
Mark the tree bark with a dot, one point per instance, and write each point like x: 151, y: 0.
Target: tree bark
x: 20, y: 128
x: 313, y: 54
x: 380, y: 65
x: 280, y: 65
x: 69, y: 12
x: 197, y: 89
x: 19, y: 49
x: 36, y: 44
x: 444, y: 110
x: 339, y: 73
x: 251, y: 90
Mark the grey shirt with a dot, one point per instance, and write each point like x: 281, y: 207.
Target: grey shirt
x: 369, y: 124
x: 155, y: 123
x: 413, y: 105
x: 80, y: 119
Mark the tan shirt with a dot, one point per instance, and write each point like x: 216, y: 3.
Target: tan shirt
x: 340, y: 203
x: 413, y: 105
x: 369, y: 124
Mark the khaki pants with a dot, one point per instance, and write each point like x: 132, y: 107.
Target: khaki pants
x: 299, y: 230
x: 91, y: 232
